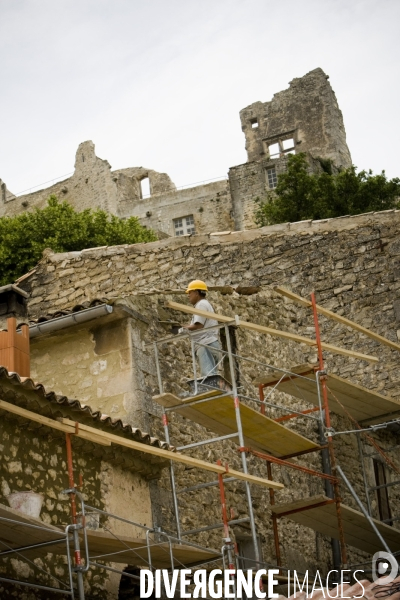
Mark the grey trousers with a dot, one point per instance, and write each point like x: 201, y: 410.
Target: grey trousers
x: 208, y: 357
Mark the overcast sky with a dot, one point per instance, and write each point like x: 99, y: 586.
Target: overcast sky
x: 160, y: 83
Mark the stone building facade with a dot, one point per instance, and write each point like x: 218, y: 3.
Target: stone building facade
x: 34, y: 460
x: 304, y: 118
x: 351, y: 263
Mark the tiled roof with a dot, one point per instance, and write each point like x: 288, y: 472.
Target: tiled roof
x: 61, y: 313
x: 24, y: 392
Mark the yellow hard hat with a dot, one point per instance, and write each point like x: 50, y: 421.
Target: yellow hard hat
x: 197, y: 284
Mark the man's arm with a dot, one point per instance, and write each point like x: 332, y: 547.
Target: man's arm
x: 193, y: 327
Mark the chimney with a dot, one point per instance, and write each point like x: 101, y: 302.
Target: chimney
x: 14, y: 345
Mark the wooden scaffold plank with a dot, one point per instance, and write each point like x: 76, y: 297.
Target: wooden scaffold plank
x: 363, y: 404
x: 260, y: 432
x: 106, y: 439
x: 357, y: 530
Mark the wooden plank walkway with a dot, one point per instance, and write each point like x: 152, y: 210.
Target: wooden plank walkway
x: 363, y: 404
x: 218, y: 415
x: 357, y: 530
x: 132, y: 550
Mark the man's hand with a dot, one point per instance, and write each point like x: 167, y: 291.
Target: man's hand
x: 191, y: 327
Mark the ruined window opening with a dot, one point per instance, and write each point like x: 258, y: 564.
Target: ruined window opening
x: 184, y: 226
x: 281, y: 146
x: 145, y: 187
x: 272, y: 178
x: 288, y: 144
x: 254, y: 123
x: 274, y: 150
x: 382, y: 493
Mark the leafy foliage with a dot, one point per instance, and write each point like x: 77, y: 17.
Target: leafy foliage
x: 300, y: 195
x: 59, y: 227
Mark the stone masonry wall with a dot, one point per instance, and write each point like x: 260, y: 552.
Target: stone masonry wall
x: 307, y: 112
x: 353, y: 264
x: 92, y: 363
x: 210, y: 205
x: 91, y: 186
x: 249, y: 182
x: 33, y: 460
x: 301, y: 548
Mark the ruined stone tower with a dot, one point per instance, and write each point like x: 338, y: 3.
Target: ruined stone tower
x: 304, y: 118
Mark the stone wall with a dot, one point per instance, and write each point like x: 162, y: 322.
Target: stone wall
x: 301, y: 548
x: 36, y: 460
x: 92, y: 363
x: 352, y: 263
x: 210, y: 205
x: 91, y: 186
x: 306, y: 112
x: 248, y: 184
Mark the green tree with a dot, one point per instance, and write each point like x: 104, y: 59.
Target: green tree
x: 59, y: 227
x: 301, y: 195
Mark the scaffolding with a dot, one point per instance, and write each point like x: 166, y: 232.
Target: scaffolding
x: 238, y: 414
x: 231, y: 416
x: 92, y: 540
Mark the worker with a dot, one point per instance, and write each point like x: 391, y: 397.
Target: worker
x: 208, y: 353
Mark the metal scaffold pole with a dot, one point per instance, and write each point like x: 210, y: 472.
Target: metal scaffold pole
x: 242, y: 444
x: 167, y: 439
x: 332, y: 457
x: 74, y: 527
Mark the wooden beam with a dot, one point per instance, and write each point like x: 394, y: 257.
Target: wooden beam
x: 106, y: 439
x: 177, y: 457
x: 331, y: 315
x: 52, y: 423
x: 253, y: 479
x: 274, y: 332
x: 196, y: 311
x: 140, y: 447
x: 27, y: 414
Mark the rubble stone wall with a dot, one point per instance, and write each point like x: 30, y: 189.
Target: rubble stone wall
x: 36, y: 460
x: 94, y: 185
x: 248, y: 185
x: 307, y: 112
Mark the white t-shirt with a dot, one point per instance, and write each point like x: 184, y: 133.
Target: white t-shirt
x: 203, y: 336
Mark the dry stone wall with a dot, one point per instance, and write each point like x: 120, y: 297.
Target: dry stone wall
x: 352, y: 263
x: 33, y: 461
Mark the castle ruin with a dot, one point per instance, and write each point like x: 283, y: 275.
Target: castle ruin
x: 303, y: 118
